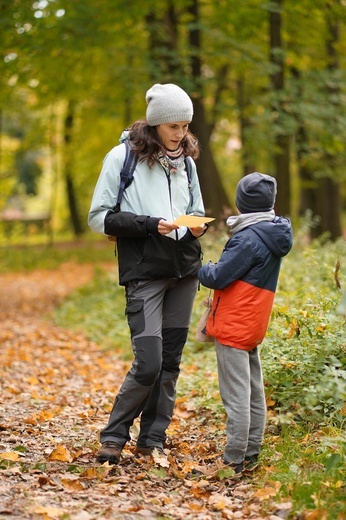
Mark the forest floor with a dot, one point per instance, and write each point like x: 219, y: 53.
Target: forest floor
x: 57, y: 388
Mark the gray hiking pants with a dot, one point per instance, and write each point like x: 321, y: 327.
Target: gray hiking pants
x: 159, y: 314
x: 242, y: 393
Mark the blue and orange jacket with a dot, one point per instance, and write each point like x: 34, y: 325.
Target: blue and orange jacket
x: 244, y: 282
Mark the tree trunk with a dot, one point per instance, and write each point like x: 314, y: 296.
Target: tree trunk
x: 164, y: 52
x: 215, y: 197
x: 244, y: 124
x: 68, y: 170
x: 0, y: 140
x: 163, y: 44
x: 282, y: 141
x: 328, y: 204
x: 328, y: 208
x: 328, y: 192
x: 308, y: 184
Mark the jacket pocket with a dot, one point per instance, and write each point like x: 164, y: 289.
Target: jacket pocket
x: 135, y: 316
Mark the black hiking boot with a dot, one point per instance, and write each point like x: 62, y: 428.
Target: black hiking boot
x: 110, y: 451
x: 148, y: 450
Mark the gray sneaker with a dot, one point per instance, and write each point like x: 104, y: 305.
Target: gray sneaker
x: 110, y: 451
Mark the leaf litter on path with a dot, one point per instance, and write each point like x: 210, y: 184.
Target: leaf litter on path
x: 57, y: 389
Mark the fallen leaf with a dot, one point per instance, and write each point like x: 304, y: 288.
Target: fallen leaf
x: 317, y: 514
x: 49, y: 511
x: 9, y: 455
x: 160, y: 459
x: 268, y: 491
x: 60, y: 453
x: 72, y: 484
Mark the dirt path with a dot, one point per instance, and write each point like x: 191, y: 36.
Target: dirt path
x: 56, y: 392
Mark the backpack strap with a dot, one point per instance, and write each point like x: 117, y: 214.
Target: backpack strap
x: 188, y: 166
x: 126, y: 174
x: 129, y: 166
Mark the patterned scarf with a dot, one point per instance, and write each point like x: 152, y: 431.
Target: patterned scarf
x: 171, y: 160
x: 238, y: 222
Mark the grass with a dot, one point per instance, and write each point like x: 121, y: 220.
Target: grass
x: 24, y: 258
x: 304, y: 362
x: 309, y: 467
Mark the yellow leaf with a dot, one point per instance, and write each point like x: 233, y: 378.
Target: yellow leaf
x: 13, y: 390
x: 265, y: 492
x: 97, y: 472
x: 141, y: 476
x: 9, y: 455
x: 321, y: 327
x: 268, y: 491
x: 49, y: 511
x: 195, y: 507
x: 294, y: 328
x: 221, y: 504
x: 33, y: 380
x: 32, y: 420
x: 269, y: 401
x: 90, y: 473
x: 61, y: 453
x: 45, y: 415
x: 317, y: 514
x: 72, y: 484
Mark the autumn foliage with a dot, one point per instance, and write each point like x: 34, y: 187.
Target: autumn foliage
x: 57, y: 388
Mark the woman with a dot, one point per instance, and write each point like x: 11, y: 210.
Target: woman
x: 158, y: 263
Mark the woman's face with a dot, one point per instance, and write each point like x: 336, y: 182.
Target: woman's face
x: 171, y: 134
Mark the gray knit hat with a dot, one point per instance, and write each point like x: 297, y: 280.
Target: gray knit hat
x: 168, y: 104
x: 256, y: 192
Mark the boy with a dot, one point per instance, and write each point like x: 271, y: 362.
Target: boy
x: 244, y: 282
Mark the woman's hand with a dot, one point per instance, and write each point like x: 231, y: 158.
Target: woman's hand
x: 166, y: 227
x: 198, y: 231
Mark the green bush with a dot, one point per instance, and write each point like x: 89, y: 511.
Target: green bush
x: 304, y: 353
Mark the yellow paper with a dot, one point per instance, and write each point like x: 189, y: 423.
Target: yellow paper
x: 192, y: 220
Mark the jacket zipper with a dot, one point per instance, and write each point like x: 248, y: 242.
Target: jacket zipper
x: 215, y: 309
x: 169, y: 180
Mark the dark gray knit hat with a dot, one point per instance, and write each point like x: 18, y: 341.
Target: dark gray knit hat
x: 255, y: 192
x: 168, y: 104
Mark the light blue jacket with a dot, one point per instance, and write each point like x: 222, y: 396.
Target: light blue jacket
x: 153, y: 195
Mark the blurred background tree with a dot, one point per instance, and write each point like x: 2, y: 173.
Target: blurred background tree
x: 266, y: 79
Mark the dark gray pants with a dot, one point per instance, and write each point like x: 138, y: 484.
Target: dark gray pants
x: 158, y: 313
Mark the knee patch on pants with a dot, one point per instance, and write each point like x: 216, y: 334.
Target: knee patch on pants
x: 148, y: 359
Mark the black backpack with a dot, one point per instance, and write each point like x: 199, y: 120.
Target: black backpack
x: 127, y: 171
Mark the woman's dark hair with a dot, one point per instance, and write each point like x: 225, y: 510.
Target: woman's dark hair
x: 146, y: 144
